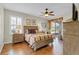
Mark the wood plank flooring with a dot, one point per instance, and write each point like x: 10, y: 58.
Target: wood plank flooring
x: 23, y: 49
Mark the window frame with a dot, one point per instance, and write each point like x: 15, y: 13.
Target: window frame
x: 17, y: 24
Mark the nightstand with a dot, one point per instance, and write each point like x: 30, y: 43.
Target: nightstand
x: 18, y: 38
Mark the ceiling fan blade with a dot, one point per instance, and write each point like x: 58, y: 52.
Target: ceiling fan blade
x: 47, y: 13
x: 41, y: 15
x: 52, y: 14
x: 42, y: 12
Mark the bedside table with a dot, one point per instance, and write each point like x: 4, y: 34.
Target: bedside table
x: 18, y: 38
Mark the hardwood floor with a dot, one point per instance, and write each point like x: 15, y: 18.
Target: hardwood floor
x: 23, y: 49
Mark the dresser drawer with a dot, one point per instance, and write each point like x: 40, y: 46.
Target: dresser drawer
x: 18, y: 38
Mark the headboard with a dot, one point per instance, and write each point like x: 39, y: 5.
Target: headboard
x: 30, y: 29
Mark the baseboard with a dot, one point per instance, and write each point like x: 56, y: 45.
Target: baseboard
x: 7, y: 42
x: 1, y: 47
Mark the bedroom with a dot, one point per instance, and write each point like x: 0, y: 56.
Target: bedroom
x: 21, y: 20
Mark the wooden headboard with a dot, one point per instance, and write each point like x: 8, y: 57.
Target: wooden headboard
x: 30, y: 29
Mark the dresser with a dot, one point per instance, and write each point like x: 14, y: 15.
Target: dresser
x: 71, y: 38
x: 18, y: 38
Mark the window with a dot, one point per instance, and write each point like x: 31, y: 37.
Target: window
x: 16, y: 24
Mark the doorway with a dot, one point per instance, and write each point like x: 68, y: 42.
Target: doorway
x: 56, y: 27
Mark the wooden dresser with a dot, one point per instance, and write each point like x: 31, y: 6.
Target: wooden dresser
x: 18, y: 38
x: 71, y: 38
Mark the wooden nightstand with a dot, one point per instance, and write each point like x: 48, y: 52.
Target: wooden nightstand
x: 18, y: 38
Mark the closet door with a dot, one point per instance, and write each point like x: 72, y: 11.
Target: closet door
x: 1, y: 29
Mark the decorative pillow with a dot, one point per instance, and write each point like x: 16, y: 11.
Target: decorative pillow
x: 26, y: 31
x: 46, y: 37
x: 42, y: 37
x: 37, y: 38
x: 50, y: 36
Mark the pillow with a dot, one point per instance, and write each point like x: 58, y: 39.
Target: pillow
x: 50, y: 36
x: 46, y: 37
x: 37, y: 38
x: 26, y: 31
x: 42, y: 37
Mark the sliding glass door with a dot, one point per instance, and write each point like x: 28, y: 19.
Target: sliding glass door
x: 55, y: 28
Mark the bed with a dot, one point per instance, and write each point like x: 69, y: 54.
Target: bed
x: 37, y: 40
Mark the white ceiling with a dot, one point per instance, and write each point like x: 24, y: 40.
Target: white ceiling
x: 61, y: 9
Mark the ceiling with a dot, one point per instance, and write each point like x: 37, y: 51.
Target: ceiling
x: 60, y: 9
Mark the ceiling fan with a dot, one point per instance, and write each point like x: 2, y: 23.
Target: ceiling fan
x: 48, y: 13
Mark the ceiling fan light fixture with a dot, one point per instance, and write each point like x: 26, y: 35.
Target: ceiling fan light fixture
x: 46, y: 15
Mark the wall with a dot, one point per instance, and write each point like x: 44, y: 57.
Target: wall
x: 67, y: 13
x: 25, y: 17
x: 1, y: 28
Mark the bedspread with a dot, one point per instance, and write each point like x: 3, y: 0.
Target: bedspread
x: 32, y: 38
